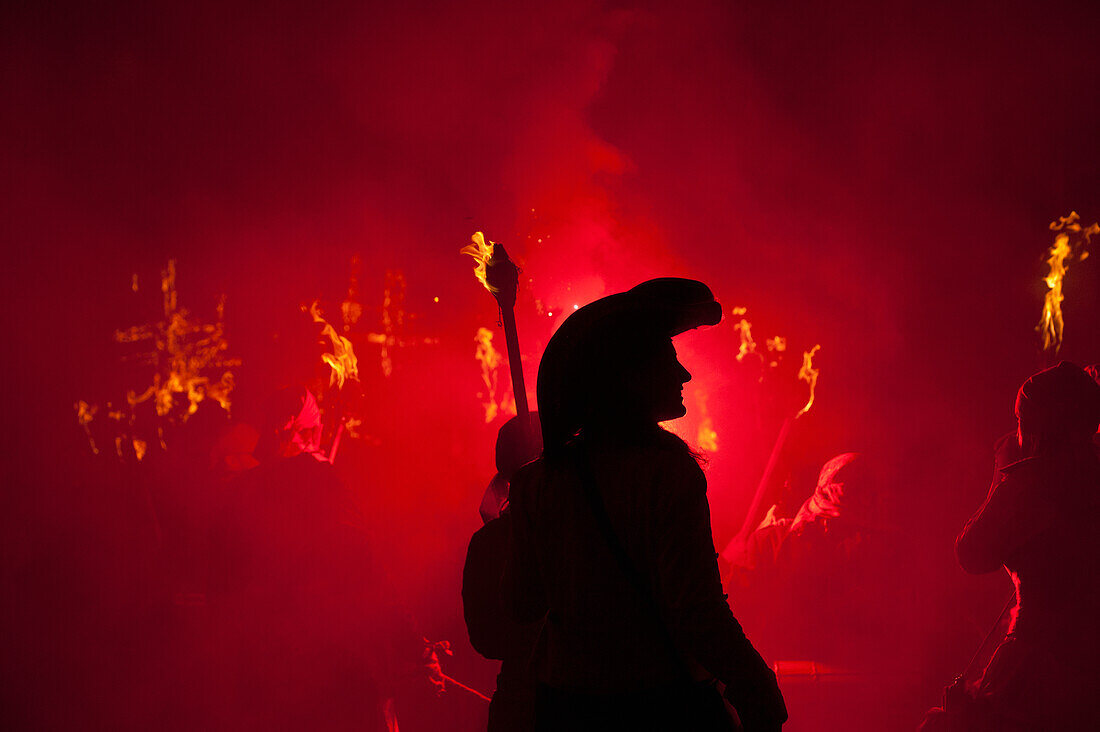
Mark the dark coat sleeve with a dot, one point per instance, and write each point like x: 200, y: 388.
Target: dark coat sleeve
x: 690, y: 592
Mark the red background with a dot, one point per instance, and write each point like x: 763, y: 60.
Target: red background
x: 874, y: 178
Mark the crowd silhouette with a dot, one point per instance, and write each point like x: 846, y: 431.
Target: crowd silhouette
x: 1037, y: 523
x: 237, y: 583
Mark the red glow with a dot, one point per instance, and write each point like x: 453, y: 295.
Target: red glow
x: 876, y: 179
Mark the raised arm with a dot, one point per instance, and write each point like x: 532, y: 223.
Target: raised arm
x: 1013, y: 513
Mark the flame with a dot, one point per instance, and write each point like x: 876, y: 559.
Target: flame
x: 809, y: 374
x: 85, y: 413
x: 706, y: 438
x: 187, y: 347
x: 482, y: 252
x: 744, y: 329
x: 393, y: 318
x: 1070, y: 244
x: 342, y: 359
x: 490, y: 359
x: 776, y: 345
x: 182, y: 352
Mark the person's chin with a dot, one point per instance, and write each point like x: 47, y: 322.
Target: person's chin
x: 673, y: 413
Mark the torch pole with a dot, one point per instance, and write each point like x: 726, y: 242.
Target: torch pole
x: 515, y: 364
x: 336, y: 441
x: 752, y: 517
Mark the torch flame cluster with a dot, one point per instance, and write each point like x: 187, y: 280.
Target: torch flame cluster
x: 183, y: 351
x: 776, y: 347
x: 482, y: 251
x: 706, y: 434
x: 1070, y: 244
x: 341, y: 360
x: 184, y: 348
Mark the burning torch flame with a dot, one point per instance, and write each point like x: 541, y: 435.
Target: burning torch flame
x: 776, y: 347
x: 809, y: 374
x: 85, y: 413
x: 744, y: 329
x: 707, y: 437
x: 490, y: 359
x: 1071, y: 243
x: 482, y: 252
x: 342, y: 360
x: 181, y: 349
x: 187, y: 347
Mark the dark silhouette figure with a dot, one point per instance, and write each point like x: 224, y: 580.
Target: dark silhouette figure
x: 1039, y: 522
x: 1093, y: 370
x: 493, y: 632
x: 612, y: 546
x: 800, y: 572
x: 829, y: 517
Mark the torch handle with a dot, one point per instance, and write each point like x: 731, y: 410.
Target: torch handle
x: 502, y: 279
x: 752, y: 516
x: 515, y: 364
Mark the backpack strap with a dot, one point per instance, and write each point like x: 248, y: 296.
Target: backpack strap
x: 603, y: 522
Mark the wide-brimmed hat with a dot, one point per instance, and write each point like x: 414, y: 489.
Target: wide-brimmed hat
x: 593, y: 335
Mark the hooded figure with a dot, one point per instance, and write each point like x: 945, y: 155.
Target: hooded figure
x: 1039, y: 522
x: 832, y: 496
x: 612, y: 547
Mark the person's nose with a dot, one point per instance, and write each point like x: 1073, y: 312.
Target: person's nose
x: 684, y: 375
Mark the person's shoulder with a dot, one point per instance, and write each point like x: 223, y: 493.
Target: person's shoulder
x: 677, y: 470
x: 529, y: 471
x: 675, y: 452
x: 492, y: 531
x: 525, y: 481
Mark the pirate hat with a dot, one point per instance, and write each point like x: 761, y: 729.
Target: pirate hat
x: 594, y: 338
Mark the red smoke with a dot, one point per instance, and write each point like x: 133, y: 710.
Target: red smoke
x: 874, y: 179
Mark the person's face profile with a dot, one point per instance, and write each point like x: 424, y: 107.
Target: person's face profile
x: 662, y: 383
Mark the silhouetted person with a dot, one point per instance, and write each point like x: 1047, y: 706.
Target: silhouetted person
x: 1039, y: 521
x: 806, y: 576
x: 612, y: 543
x: 493, y: 632
x: 828, y: 519
x: 1093, y: 370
